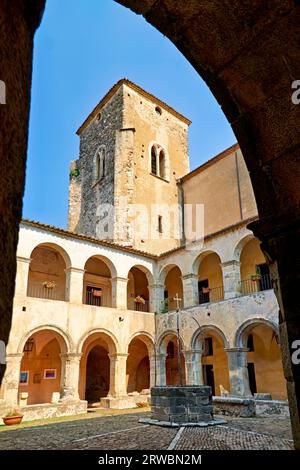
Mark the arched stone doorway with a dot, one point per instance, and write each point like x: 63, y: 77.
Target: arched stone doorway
x: 138, y: 294
x: 41, y: 366
x: 231, y: 49
x: 172, y: 372
x: 97, y: 282
x: 264, y: 359
x: 214, y: 362
x: 96, y: 371
x: 210, y: 279
x: 47, y: 272
x: 137, y: 366
x: 171, y: 278
x: 255, y: 273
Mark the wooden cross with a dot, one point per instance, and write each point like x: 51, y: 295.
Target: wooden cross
x: 177, y: 300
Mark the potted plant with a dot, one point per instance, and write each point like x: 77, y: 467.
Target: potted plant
x: 165, y: 307
x: 139, y: 300
x: 13, y: 417
x: 49, y: 284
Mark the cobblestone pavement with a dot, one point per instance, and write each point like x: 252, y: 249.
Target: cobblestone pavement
x: 125, y: 432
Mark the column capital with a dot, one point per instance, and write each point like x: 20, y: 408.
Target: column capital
x: 120, y: 279
x: 71, y: 269
x: 14, y: 356
x: 232, y: 262
x: 118, y: 355
x: 156, y: 286
x: 23, y: 259
x: 189, y: 276
x: 236, y: 349
x: 192, y: 351
x: 160, y: 355
x: 71, y: 356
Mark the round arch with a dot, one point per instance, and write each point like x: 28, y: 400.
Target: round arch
x: 240, y: 245
x: 205, y: 329
x: 162, y: 341
x: 146, y: 338
x: 54, y: 246
x: 240, y: 339
x: 65, y: 341
x: 200, y: 257
x: 105, y: 260
x: 145, y: 270
x: 164, y: 271
x: 95, y: 333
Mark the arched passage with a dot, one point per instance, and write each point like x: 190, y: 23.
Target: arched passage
x: 214, y: 360
x: 47, y: 272
x: 170, y: 277
x: 138, y: 365
x: 169, y: 347
x: 41, y: 366
x: 97, y: 281
x: 138, y: 293
x: 210, y: 279
x: 223, y: 44
x: 95, y: 367
x: 264, y: 358
x: 255, y: 274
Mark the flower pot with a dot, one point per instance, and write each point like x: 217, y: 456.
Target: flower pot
x: 10, y: 420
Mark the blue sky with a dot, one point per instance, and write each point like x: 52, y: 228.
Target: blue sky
x: 81, y: 49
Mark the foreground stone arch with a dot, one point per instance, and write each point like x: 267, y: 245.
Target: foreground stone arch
x: 248, y: 55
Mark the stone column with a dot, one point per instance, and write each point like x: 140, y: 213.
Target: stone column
x: 190, y: 290
x: 238, y: 372
x: 118, y: 385
x: 70, y: 377
x: 11, y: 379
x: 193, y: 367
x: 119, y: 292
x: 280, y: 243
x: 231, y: 279
x: 74, y: 285
x: 156, y: 293
x: 161, y: 370
x: 152, y: 371
x: 22, y: 277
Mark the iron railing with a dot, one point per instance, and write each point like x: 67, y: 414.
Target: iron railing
x: 91, y: 299
x: 41, y: 292
x: 256, y: 284
x: 140, y: 307
x: 211, y: 295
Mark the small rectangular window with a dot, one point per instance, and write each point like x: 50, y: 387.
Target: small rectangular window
x: 208, y: 347
x: 160, y: 224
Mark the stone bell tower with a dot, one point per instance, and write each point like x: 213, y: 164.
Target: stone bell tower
x: 124, y: 188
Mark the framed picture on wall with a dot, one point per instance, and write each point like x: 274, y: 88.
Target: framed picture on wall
x: 49, y: 373
x: 37, y: 378
x: 24, y: 377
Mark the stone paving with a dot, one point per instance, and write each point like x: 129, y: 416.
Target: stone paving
x: 124, y: 431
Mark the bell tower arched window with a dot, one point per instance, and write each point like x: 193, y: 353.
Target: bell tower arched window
x: 159, y: 162
x: 153, y: 160
x: 100, y: 164
x: 162, y: 164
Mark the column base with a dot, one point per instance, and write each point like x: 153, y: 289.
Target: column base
x: 122, y: 402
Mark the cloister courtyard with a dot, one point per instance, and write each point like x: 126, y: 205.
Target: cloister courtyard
x: 121, y: 430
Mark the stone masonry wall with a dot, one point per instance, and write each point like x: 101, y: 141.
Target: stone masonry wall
x: 85, y: 193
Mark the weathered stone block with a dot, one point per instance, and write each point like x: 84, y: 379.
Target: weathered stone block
x: 187, y: 404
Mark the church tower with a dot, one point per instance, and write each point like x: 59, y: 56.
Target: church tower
x: 124, y: 186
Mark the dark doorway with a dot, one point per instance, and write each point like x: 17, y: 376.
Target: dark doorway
x: 265, y: 282
x: 97, y: 374
x: 252, y: 380
x: 203, y: 291
x: 208, y: 375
